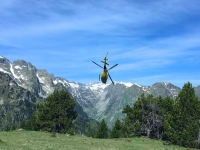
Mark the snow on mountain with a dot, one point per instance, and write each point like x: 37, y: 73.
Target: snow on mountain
x: 97, y: 87
x: 127, y: 84
x: 98, y: 100
x: 137, y: 85
x: 66, y: 83
x: 18, y: 67
x: 13, y: 72
x: 73, y: 85
x: 2, y: 70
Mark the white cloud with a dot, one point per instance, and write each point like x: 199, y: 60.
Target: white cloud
x: 69, y: 34
x: 39, y: 18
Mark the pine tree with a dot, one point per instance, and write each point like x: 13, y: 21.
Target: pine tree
x: 56, y: 114
x: 144, y: 118
x: 102, y: 130
x: 89, y: 131
x: 182, y: 125
x: 117, y: 130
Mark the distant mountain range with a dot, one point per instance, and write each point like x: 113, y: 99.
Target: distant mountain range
x: 93, y: 100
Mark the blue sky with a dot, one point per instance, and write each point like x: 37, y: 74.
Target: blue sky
x: 152, y: 41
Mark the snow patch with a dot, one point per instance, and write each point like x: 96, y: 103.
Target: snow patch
x: 55, y: 81
x: 128, y: 84
x: 22, y: 77
x: 74, y: 85
x: 13, y: 73
x: 1, y: 57
x: 41, y: 80
x: 60, y: 81
x: 4, y: 71
x: 17, y: 67
x: 1, y: 101
x: 96, y: 86
x: 137, y: 84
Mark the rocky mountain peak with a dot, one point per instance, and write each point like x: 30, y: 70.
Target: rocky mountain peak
x: 4, y: 65
x: 98, y: 100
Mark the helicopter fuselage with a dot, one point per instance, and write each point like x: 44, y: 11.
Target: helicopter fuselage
x: 104, y: 76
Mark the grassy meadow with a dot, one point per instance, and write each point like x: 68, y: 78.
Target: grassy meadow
x: 32, y: 140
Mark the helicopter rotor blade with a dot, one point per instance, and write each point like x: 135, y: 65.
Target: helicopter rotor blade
x: 110, y: 78
x: 97, y: 64
x: 106, y: 56
x: 112, y: 67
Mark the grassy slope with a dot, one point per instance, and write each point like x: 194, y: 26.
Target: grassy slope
x: 39, y: 140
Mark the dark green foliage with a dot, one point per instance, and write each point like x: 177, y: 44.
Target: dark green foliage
x: 176, y: 121
x: 14, y: 127
x: 92, y: 128
x: 144, y: 118
x: 89, y: 132
x: 182, y: 124
x: 117, y: 130
x: 23, y: 124
x: 55, y: 115
x: 7, y: 128
x: 102, y: 130
x: 165, y: 106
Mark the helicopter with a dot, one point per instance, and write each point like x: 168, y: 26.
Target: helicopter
x: 105, y: 74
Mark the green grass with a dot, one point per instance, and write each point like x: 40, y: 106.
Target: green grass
x: 32, y: 140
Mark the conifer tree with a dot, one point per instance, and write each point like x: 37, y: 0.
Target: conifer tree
x: 144, y: 118
x: 182, y: 125
x: 56, y: 114
x: 89, y: 131
x: 102, y: 130
x: 117, y: 130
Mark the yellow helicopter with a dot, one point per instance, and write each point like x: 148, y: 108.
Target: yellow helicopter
x: 105, y: 74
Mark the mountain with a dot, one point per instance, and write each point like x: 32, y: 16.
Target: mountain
x: 16, y: 103
x: 21, y: 87
x: 113, y: 98
x: 93, y: 100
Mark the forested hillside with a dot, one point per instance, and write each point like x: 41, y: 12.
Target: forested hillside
x: 175, y: 121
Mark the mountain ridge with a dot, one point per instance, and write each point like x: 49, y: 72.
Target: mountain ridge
x: 99, y: 101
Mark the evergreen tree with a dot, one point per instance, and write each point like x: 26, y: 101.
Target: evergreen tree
x: 102, y: 130
x: 117, y: 130
x: 89, y: 131
x: 182, y: 124
x: 56, y: 114
x: 144, y: 118
x: 23, y: 124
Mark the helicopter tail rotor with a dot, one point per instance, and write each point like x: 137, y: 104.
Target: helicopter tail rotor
x: 105, y: 59
x: 110, y: 78
x: 106, y: 56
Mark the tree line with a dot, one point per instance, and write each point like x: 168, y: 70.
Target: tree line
x: 175, y: 121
